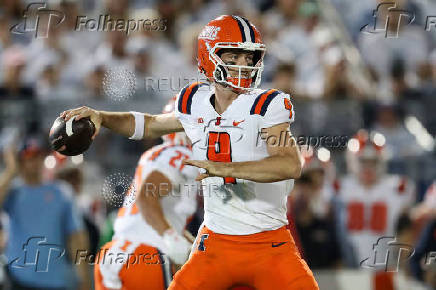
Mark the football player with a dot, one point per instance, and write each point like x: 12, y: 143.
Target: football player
x: 247, y: 158
x: 149, y: 232
x: 370, y: 203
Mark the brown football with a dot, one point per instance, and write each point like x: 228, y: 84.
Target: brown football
x: 72, y: 137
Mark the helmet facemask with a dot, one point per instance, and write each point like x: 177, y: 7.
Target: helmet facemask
x: 222, y: 73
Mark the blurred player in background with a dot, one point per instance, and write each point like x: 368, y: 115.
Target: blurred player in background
x: 248, y: 160
x: 371, y: 202
x: 44, y: 226
x: 151, y: 230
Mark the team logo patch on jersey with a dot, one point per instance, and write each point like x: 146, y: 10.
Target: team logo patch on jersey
x: 209, y: 32
x: 200, y: 120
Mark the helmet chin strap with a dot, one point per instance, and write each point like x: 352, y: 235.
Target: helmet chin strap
x: 221, y: 77
x: 220, y: 74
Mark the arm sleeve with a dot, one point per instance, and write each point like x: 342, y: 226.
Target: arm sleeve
x: 183, y: 118
x: 187, y: 120
x: 280, y: 110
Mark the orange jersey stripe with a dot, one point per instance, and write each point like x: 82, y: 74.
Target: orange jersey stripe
x: 262, y: 101
x: 186, y: 95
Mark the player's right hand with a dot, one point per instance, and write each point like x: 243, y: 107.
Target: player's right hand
x: 84, y: 112
x: 178, y: 247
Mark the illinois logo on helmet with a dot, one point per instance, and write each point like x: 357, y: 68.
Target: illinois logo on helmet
x: 230, y: 32
x: 177, y: 138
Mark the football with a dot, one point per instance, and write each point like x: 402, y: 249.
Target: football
x: 71, y: 137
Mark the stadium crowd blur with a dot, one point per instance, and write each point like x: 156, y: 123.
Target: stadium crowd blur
x: 341, y: 78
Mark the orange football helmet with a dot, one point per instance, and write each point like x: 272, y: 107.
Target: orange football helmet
x: 230, y: 32
x: 176, y: 138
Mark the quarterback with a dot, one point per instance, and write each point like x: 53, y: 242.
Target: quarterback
x: 243, y: 240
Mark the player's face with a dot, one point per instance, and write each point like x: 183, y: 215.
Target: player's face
x: 238, y: 57
x: 368, y: 171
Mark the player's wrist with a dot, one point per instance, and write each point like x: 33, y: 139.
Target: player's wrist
x: 104, y: 117
x: 224, y: 169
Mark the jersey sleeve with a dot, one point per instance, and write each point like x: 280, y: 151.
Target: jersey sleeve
x: 279, y: 110
x: 183, y: 106
x: 183, y: 118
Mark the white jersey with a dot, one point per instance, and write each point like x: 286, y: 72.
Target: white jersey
x: 236, y: 206
x: 372, y: 213
x: 177, y: 206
